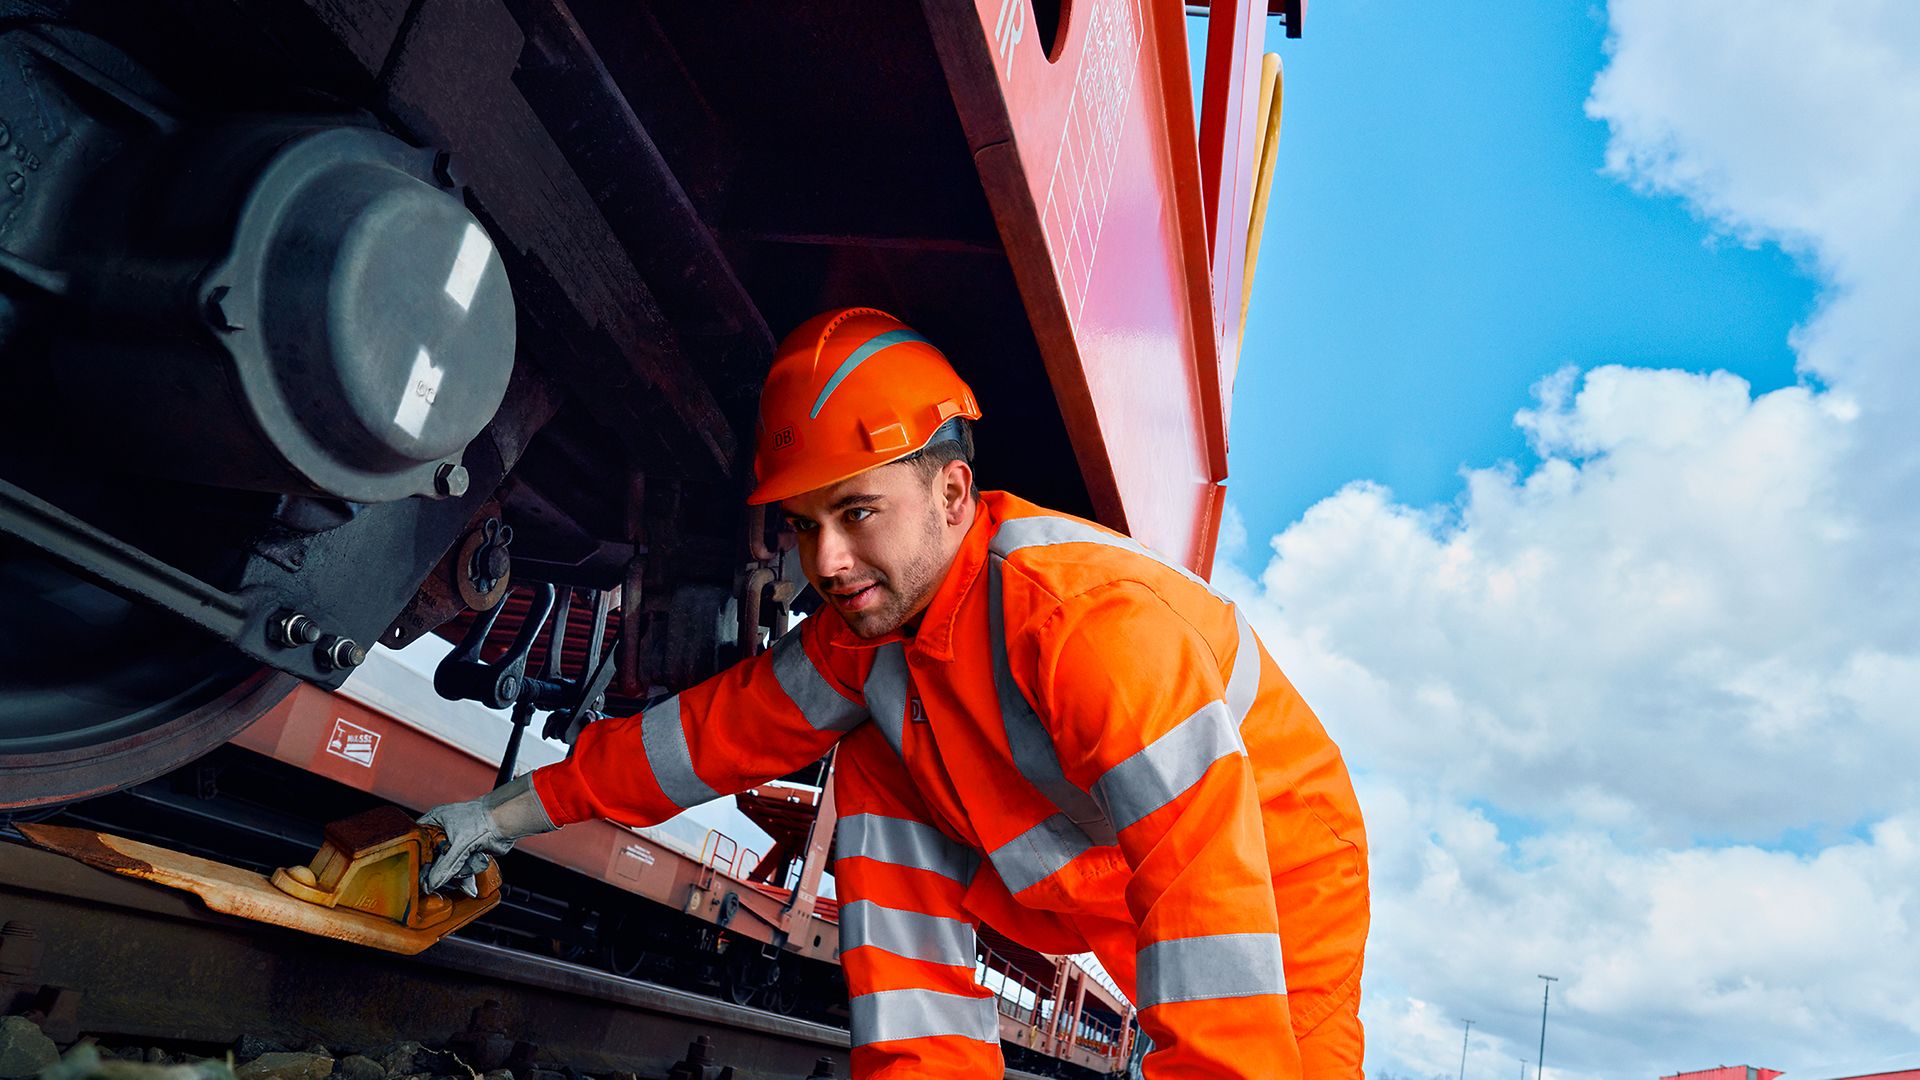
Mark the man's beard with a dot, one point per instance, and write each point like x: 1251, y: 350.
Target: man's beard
x: 905, y: 592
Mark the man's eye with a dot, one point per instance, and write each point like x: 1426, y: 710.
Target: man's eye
x: 859, y: 513
x: 799, y: 525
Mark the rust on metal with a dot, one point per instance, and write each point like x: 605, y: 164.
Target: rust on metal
x: 88, y: 847
x: 364, y: 890
x: 363, y: 832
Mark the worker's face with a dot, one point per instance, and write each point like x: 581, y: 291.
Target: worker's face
x: 876, y: 546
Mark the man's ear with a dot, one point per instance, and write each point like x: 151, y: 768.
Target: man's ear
x: 956, y: 487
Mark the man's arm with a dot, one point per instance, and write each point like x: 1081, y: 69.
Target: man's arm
x: 754, y: 722
x: 1134, y: 698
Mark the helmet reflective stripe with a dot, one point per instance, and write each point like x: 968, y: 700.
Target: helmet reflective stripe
x: 856, y: 358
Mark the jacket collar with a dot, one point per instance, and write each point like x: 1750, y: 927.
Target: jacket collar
x: 934, y: 639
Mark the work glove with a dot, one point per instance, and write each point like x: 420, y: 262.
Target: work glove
x: 480, y: 829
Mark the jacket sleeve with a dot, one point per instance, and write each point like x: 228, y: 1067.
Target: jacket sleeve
x: 1135, y: 699
x: 756, y: 721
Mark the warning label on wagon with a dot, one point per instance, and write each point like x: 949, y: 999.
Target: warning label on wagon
x: 353, y: 742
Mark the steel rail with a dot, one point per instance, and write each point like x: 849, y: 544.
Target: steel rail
x: 151, y: 963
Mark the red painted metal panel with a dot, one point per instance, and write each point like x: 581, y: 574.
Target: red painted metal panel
x: 1089, y: 157
x: 1726, y: 1072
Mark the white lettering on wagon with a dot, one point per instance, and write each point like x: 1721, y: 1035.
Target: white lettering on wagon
x: 353, y: 742
x: 1083, y: 169
x: 1008, y: 31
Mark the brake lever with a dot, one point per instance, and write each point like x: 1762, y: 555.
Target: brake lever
x: 561, y: 723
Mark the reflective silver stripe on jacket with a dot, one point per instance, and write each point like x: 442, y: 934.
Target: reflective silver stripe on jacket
x: 1039, y: 853
x: 886, y: 691
x: 672, y: 762
x: 1167, y: 767
x: 912, y: 934
x: 825, y: 708
x: 1137, y: 783
x: 919, y: 1014
x: 1014, y: 534
x: 1243, y: 683
x: 1216, y: 966
x: 903, y: 842
x: 1032, y: 746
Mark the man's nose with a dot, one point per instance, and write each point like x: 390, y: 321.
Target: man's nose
x: 832, y: 555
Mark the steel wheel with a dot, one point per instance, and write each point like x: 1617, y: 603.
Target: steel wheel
x: 98, y: 692
x: 746, y: 980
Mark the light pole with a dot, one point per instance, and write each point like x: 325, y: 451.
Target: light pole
x: 1464, y: 1035
x: 1540, y: 1062
x: 1523, y: 1068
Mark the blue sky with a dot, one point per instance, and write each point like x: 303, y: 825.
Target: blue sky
x: 1441, y: 237
x: 1638, y: 713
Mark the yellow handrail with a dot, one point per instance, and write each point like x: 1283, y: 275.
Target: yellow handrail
x: 1266, y: 144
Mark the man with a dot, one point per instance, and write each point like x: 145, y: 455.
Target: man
x: 1042, y: 726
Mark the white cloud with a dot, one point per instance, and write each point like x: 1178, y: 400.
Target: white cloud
x: 1671, y: 959
x: 1781, y: 122
x: 1643, y: 714
x: 1662, y: 612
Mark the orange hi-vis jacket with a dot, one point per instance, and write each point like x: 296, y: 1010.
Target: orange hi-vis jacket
x: 1083, y: 747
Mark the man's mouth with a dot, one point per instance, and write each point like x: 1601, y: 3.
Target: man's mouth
x: 856, y: 599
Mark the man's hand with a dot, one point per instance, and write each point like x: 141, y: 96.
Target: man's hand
x: 480, y: 829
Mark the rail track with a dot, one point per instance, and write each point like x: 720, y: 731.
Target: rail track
x: 142, y: 962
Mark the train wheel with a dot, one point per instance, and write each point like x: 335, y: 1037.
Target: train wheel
x: 624, y: 945
x: 783, y: 995
x: 98, y: 692
x: 749, y: 979
x: 741, y: 982
x: 760, y: 983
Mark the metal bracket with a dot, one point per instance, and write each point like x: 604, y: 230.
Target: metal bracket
x: 565, y: 724
x: 119, y: 566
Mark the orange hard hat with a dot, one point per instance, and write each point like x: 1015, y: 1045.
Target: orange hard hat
x: 849, y: 390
